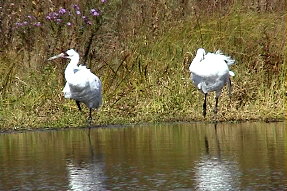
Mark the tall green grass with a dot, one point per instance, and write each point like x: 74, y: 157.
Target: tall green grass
x: 142, y: 52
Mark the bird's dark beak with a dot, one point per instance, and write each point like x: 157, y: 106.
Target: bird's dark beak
x: 62, y: 55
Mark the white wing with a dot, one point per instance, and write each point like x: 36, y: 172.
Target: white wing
x: 212, y: 65
x: 85, y: 87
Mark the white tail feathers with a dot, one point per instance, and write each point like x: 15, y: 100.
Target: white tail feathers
x: 229, y: 61
x: 231, y: 73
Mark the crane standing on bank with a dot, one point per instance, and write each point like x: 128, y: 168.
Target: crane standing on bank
x: 210, y: 72
x: 81, y: 84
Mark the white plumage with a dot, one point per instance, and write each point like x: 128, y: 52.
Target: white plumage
x: 81, y: 84
x: 210, y: 72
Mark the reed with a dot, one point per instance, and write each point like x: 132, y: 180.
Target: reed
x: 141, y: 52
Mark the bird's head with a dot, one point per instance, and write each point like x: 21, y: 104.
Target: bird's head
x: 71, y: 53
x: 201, y: 53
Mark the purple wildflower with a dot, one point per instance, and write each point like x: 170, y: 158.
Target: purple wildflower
x: 76, y: 7
x: 18, y: 24
x: 86, y: 19
x: 31, y: 17
x: 52, y: 15
x: 94, y: 12
x: 103, y: 1
x: 48, y: 17
x: 62, y: 11
x: 69, y: 24
x: 78, y: 12
x: 58, y: 20
x: 37, y: 24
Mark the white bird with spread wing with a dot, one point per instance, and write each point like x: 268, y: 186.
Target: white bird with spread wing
x: 210, y: 72
x: 82, y: 85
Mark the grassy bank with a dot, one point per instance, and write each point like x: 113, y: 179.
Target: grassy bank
x: 142, y: 54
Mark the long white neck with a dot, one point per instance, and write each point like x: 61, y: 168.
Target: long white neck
x: 198, y: 58
x: 69, y: 71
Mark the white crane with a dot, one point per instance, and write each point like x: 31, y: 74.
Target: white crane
x: 81, y: 84
x: 210, y: 72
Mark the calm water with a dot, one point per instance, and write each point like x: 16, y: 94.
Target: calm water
x: 195, y: 156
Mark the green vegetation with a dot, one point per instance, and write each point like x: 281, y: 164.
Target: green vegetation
x: 141, y: 51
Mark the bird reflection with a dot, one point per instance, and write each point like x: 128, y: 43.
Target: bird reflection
x: 85, y: 176
x: 87, y: 173
x: 211, y: 171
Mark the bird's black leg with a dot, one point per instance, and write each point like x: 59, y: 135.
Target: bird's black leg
x: 230, y: 87
x: 79, y: 106
x: 204, y: 105
x: 216, y: 104
x: 215, y: 124
x: 215, y: 107
x: 90, y: 117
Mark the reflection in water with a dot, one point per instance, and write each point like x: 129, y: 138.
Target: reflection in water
x: 194, y: 156
x: 211, y: 173
x: 86, y: 176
